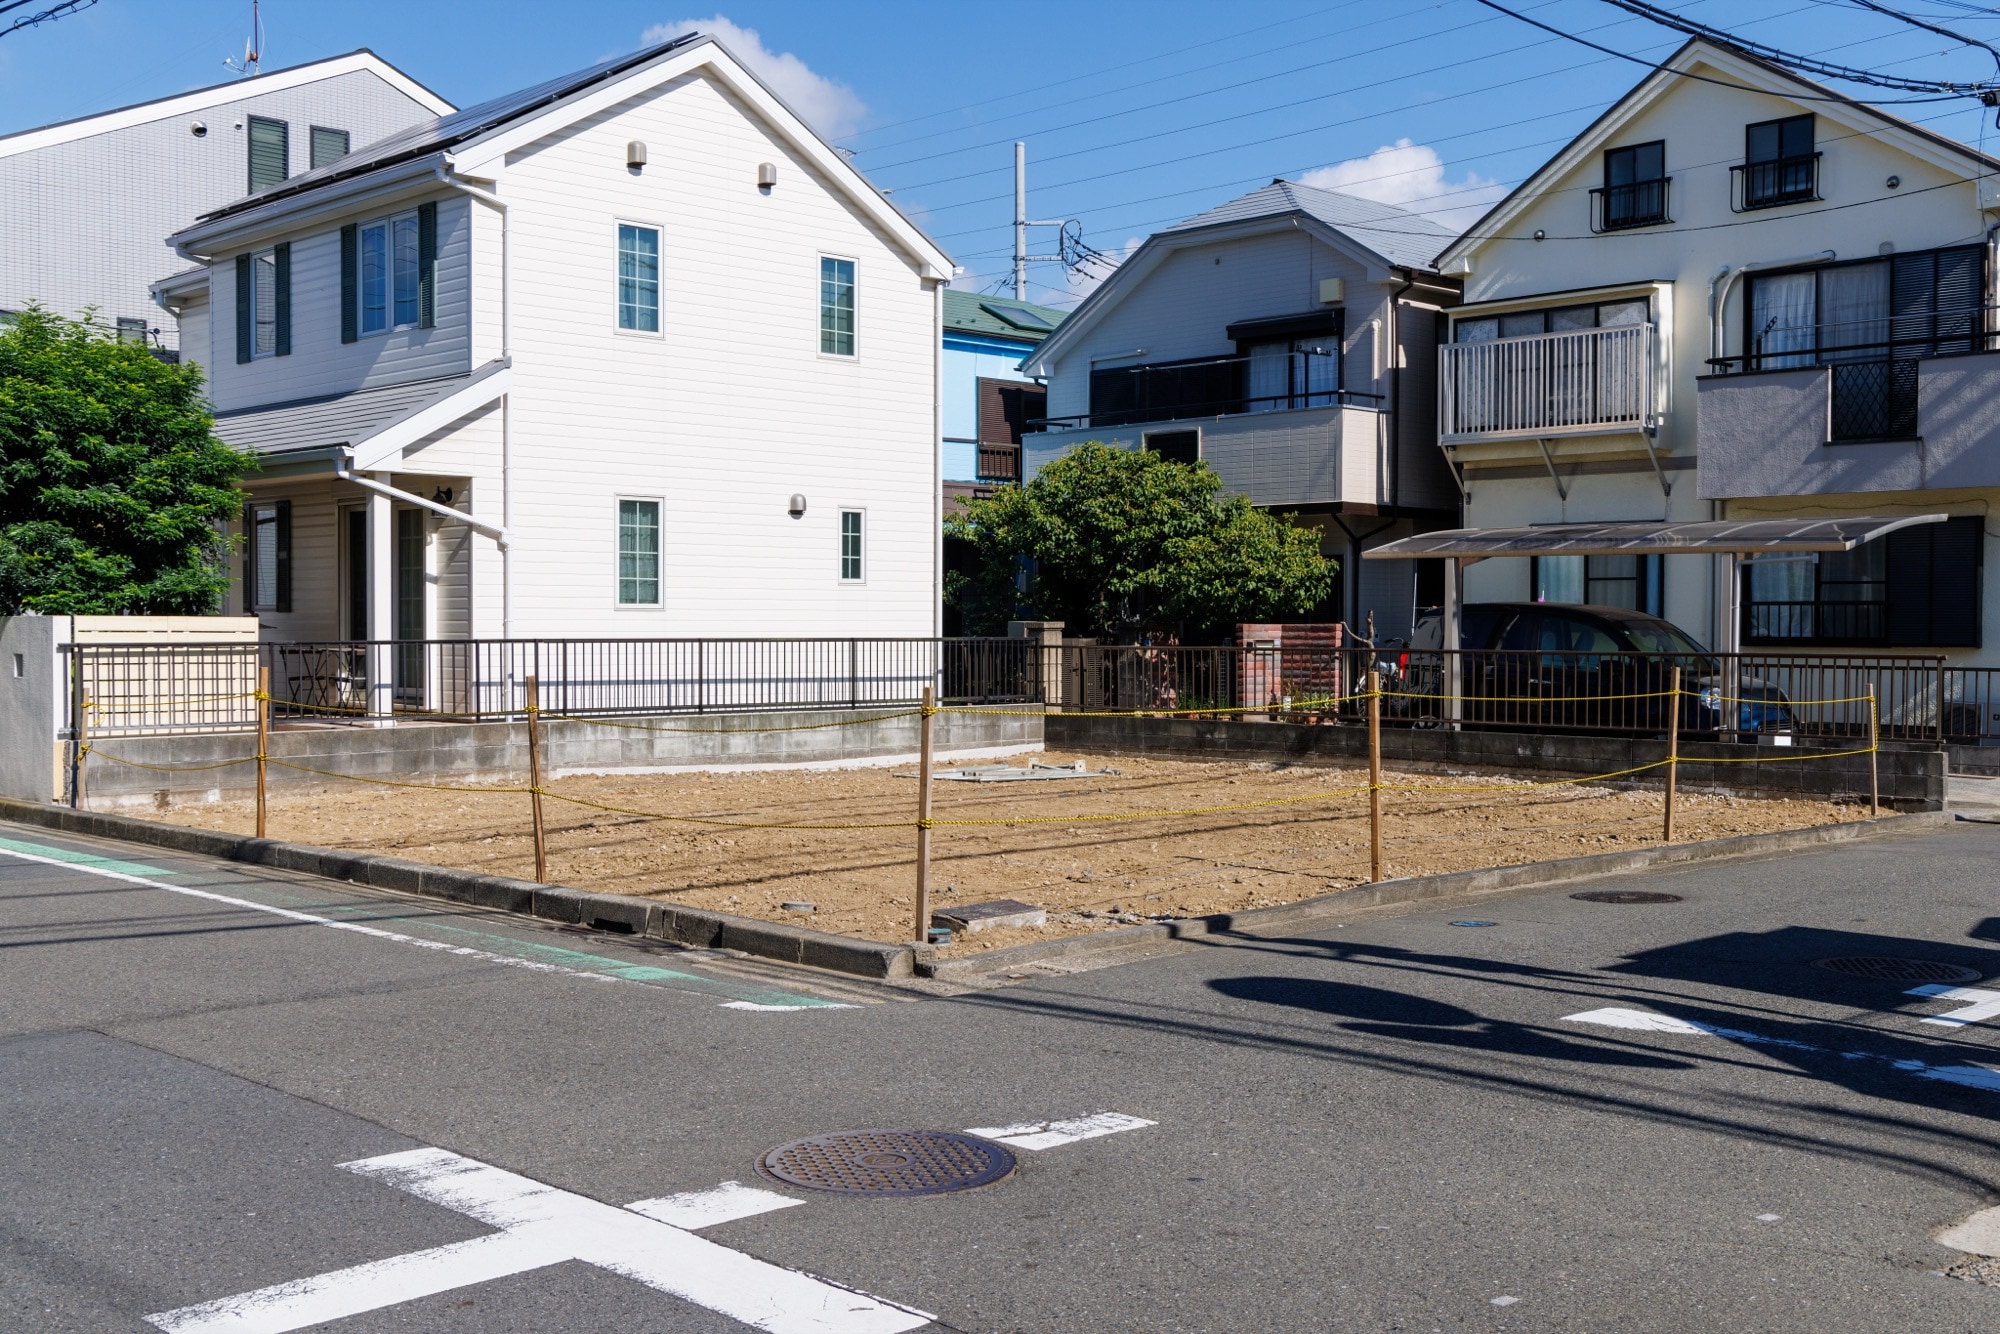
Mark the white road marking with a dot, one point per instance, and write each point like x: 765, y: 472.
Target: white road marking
x: 1505, y: 1301
x: 1980, y: 1005
x: 1977, y: 1235
x: 705, y: 1208
x: 1048, y: 1134
x: 753, y: 1005
x: 539, y: 1226
x: 1769, y: 1218
x: 1970, y: 1076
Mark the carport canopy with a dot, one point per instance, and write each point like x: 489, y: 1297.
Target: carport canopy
x: 1740, y: 537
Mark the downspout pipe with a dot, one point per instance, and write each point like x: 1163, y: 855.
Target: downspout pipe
x: 1718, y: 299
x: 499, y: 205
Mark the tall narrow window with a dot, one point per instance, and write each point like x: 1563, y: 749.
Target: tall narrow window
x: 389, y: 285
x: 270, y: 152
x: 328, y: 145
x: 375, y: 278
x: 638, y: 278
x: 1634, y: 193
x: 850, y: 546
x: 638, y: 553
x: 836, y: 307
x: 267, y: 555
x: 403, y: 240
x: 264, y: 303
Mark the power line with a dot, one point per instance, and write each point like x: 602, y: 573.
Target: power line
x: 60, y: 9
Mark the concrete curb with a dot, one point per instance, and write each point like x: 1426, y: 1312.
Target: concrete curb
x: 867, y: 958
x: 615, y: 912
x: 1492, y: 880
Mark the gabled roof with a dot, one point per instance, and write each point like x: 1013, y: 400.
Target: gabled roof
x: 999, y: 317
x: 1381, y: 237
x: 1397, y: 235
x: 478, y: 139
x: 222, y: 94
x: 1757, y: 75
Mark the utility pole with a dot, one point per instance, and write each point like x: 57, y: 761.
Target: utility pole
x: 1022, y: 259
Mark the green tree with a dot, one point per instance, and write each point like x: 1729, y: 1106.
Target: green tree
x: 1120, y: 543
x: 113, y: 486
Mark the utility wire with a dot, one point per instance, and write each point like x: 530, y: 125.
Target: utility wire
x: 61, y: 9
x: 1917, y: 22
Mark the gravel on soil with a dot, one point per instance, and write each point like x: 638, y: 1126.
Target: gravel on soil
x: 1091, y: 874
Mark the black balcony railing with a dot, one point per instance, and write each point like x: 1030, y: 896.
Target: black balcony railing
x: 1210, y: 387
x: 1637, y: 204
x: 1785, y: 180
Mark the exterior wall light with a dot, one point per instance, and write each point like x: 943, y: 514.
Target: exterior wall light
x: 1541, y: 235
x: 635, y: 157
x: 1894, y: 182
x: 797, y: 509
x: 199, y: 129
x: 767, y: 176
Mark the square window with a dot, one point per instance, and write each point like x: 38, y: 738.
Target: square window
x: 638, y: 278
x: 850, y: 546
x: 836, y: 307
x: 638, y: 553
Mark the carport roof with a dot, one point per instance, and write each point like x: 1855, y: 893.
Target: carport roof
x: 1739, y: 536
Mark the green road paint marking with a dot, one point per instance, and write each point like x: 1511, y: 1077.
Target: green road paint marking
x: 89, y: 859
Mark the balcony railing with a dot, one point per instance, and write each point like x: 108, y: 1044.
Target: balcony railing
x: 1637, y: 204
x: 1785, y: 180
x: 1210, y: 387
x: 999, y: 463
x: 1579, y: 382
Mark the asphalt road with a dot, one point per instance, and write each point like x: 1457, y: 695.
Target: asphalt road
x: 1393, y: 1124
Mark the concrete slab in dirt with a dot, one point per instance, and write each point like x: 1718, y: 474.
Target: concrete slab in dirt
x: 1977, y: 1235
x: 992, y: 913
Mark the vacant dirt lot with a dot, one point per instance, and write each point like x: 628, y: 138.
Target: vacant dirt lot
x: 1089, y: 874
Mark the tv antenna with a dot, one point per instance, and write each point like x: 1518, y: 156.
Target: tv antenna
x: 253, y: 50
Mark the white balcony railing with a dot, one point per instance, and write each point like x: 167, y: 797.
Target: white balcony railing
x: 1573, y: 383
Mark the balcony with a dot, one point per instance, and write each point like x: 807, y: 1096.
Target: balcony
x: 1785, y: 180
x: 1580, y: 382
x: 999, y: 463
x: 1845, y: 409
x: 1635, y: 204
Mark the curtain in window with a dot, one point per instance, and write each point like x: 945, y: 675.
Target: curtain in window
x: 1319, y: 371
x: 264, y: 296
x: 1270, y: 376
x: 1782, y: 597
x: 1854, y: 312
x: 1558, y: 578
x: 1783, y: 311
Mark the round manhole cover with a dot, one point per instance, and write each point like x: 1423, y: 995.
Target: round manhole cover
x: 888, y: 1162
x: 1898, y: 970
x: 1625, y: 896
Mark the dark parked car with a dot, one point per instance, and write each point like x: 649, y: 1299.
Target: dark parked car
x: 1545, y: 664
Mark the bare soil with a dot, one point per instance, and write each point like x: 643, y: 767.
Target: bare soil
x: 1090, y: 874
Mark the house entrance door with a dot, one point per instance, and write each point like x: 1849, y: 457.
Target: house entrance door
x: 412, y: 581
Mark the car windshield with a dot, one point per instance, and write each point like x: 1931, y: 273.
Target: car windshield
x: 1659, y: 637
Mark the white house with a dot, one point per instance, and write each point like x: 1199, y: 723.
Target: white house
x: 1739, y: 295
x: 1287, y: 338
x: 629, y: 354
x: 86, y: 205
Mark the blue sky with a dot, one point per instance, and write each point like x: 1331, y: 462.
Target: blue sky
x: 1135, y: 114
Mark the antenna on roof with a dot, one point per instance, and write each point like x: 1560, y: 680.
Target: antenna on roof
x: 253, y: 50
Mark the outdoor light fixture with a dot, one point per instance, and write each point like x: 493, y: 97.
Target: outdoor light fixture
x: 767, y: 176
x: 797, y: 509
x: 635, y: 156
x: 442, y: 495
x: 199, y: 129
x: 1894, y: 182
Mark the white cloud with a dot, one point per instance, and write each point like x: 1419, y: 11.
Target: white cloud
x: 1412, y: 176
x: 834, y: 109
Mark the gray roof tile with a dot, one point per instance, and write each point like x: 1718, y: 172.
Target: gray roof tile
x: 1397, y: 235
x: 338, y: 419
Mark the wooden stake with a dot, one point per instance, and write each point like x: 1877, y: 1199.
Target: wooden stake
x: 924, y: 818
x: 263, y: 737
x: 1673, y: 749
x: 82, y: 744
x: 535, y: 779
x: 1874, y: 755
x: 1374, y: 776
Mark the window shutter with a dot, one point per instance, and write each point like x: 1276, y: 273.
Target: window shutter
x: 427, y: 253
x: 270, y: 152
x: 249, y: 557
x: 350, y: 281
x: 328, y: 145
x: 1933, y: 591
x: 284, y: 547
x: 246, y: 315
x: 281, y: 255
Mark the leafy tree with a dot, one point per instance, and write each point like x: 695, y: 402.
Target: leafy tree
x: 1120, y: 543
x: 113, y: 486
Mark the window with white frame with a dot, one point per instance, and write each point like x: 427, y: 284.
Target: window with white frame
x: 638, y: 553
x: 264, y: 303
x: 836, y: 307
x: 638, y: 278
x: 391, y: 293
x: 852, y: 569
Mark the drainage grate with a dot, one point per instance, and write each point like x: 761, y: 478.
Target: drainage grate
x: 1625, y: 896
x: 1898, y: 970
x: 888, y: 1162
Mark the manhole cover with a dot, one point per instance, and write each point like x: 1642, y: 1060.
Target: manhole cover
x: 1898, y: 970
x: 889, y: 1162
x: 1625, y: 896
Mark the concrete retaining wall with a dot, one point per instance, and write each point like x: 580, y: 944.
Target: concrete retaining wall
x: 498, y: 752
x: 1912, y: 780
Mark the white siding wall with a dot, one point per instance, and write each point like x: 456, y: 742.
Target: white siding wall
x: 320, y: 363
x: 86, y: 221
x: 193, y: 323
x: 732, y: 409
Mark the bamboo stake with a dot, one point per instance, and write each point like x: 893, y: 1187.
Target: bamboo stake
x: 82, y: 745
x: 1673, y: 749
x: 924, y: 818
x: 1374, y: 776
x: 1874, y: 755
x: 535, y: 778
x: 263, y: 737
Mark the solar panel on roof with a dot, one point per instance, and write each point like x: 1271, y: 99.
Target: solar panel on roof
x: 1019, y: 318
